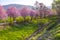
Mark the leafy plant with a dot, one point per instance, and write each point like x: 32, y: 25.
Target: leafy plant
x: 34, y: 21
x: 10, y: 20
x: 27, y: 18
x: 57, y: 36
x: 19, y: 19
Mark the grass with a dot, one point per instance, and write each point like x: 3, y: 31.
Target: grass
x: 50, y: 27
x: 18, y: 33
x: 57, y: 36
x: 24, y: 30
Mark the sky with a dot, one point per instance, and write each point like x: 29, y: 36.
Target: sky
x: 25, y: 2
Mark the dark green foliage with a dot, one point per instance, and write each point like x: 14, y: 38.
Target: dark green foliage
x: 56, y: 6
x: 57, y: 37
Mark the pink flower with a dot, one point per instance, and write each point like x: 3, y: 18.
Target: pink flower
x: 13, y: 12
x: 3, y: 14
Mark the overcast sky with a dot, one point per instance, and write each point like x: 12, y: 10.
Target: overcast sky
x: 25, y: 2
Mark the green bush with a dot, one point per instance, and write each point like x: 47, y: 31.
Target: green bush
x: 2, y: 21
x: 28, y: 19
x: 19, y: 19
x: 34, y: 21
x: 44, y: 20
x: 57, y: 36
x: 10, y: 20
x: 38, y: 21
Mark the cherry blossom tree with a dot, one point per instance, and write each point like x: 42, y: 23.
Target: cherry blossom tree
x: 13, y: 12
x: 24, y: 11
x: 34, y: 13
x: 3, y: 14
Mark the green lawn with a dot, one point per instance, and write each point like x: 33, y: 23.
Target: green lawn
x: 20, y: 32
x: 24, y: 30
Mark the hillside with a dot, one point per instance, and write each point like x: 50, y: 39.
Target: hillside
x: 17, y: 6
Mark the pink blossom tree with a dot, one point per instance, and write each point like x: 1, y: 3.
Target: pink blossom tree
x: 34, y: 13
x: 24, y: 11
x: 13, y: 12
x: 3, y: 14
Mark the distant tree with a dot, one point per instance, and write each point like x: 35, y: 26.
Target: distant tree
x: 48, y: 12
x: 56, y: 5
x: 34, y: 13
x: 24, y: 11
x: 36, y: 5
x: 3, y: 14
x: 13, y: 12
x: 43, y: 10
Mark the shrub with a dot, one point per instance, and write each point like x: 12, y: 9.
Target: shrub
x: 10, y: 20
x: 44, y: 20
x: 28, y: 19
x: 2, y: 21
x: 19, y: 19
x: 57, y: 37
x: 34, y: 21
